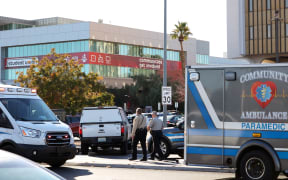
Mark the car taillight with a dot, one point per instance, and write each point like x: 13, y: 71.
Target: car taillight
x: 80, y: 131
x: 122, y: 130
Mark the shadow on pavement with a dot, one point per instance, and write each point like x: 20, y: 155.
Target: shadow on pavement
x: 70, y: 173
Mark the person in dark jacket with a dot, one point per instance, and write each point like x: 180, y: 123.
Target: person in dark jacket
x: 155, y: 126
x: 139, y: 133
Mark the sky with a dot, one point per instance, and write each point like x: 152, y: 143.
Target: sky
x: 206, y: 18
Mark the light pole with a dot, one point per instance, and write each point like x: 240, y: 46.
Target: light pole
x: 165, y: 60
x: 277, y: 19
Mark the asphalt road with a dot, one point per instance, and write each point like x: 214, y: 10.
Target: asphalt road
x: 87, y: 173
x: 111, y: 165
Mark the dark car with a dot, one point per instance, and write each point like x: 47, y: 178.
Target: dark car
x: 74, y: 123
x: 172, y: 141
x: 16, y: 167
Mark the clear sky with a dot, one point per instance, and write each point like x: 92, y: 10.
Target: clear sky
x: 206, y: 18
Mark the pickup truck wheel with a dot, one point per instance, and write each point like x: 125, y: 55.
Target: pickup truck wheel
x: 124, y: 147
x: 57, y: 163
x: 84, y: 149
x: 257, y: 165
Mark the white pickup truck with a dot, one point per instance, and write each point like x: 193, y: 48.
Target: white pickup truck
x: 104, y: 127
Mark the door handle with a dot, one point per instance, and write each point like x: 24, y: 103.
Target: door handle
x: 192, y: 124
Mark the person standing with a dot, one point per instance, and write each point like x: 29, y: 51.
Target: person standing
x: 155, y: 126
x: 139, y: 133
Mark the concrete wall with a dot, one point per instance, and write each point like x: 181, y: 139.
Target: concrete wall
x: 235, y: 28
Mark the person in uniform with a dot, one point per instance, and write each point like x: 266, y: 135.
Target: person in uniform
x: 139, y: 133
x: 155, y: 126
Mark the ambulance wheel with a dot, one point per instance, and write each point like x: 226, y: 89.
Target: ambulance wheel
x: 257, y: 165
x: 57, y: 163
x: 9, y: 148
x: 84, y: 149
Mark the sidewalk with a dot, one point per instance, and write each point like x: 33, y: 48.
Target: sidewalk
x: 121, y: 161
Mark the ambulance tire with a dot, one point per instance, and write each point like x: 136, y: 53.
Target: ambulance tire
x: 257, y: 165
x: 84, y: 149
x: 9, y: 148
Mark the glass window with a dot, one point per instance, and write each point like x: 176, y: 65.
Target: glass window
x: 268, y: 4
x: 286, y: 3
x: 251, y: 34
x: 250, y: 5
x: 69, y: 47
x: 268, y: 31
x: 286, y: 29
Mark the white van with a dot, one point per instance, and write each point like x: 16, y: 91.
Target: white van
x: 29, y: 128
x: 104, y: 127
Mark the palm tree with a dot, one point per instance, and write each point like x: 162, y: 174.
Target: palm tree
x: 181, y: 33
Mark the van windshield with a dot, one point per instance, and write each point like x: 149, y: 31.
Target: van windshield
x: 28, y: 109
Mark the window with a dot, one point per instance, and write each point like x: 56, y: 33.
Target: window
x: 269, y: 31
x: 286, y: 30
x: 268, y: 4
x: 250, y: 5
x: 286, y: 3
x: 251, y: 34
x: 4, y: 121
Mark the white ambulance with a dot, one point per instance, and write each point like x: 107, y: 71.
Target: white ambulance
x: 29, y: 128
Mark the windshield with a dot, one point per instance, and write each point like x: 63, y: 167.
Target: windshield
x: 28, y: 109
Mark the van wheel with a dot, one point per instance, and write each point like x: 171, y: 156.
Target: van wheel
x: 9, y: 148
x: 84, y: 149
x: 257, y: 165
x: 57, y: 163
x: 124, y: 147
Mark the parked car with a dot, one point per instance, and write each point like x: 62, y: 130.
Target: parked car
x: 172, y: 140
x: 172, y: 119
x: 14, y: 167
x: 74, y: 123
x: 104, y: 127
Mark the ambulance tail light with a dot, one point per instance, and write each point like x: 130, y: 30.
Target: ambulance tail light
x: 33, y: 91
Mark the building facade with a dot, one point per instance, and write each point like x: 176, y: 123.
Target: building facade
x: 251, y: 29
x: 116, y: 53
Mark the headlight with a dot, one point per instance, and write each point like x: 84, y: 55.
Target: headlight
x: 30, y: 132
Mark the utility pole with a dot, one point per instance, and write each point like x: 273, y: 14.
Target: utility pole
x: 165, y: 61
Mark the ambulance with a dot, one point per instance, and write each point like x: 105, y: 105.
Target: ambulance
x: 29, y: 128
x: 237, y: 117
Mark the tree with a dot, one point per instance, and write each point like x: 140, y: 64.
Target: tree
x: 60, y: 82
x: 146, y: 91
x: 181, y: 32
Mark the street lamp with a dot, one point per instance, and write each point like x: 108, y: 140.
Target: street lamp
x: 277, y: 19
